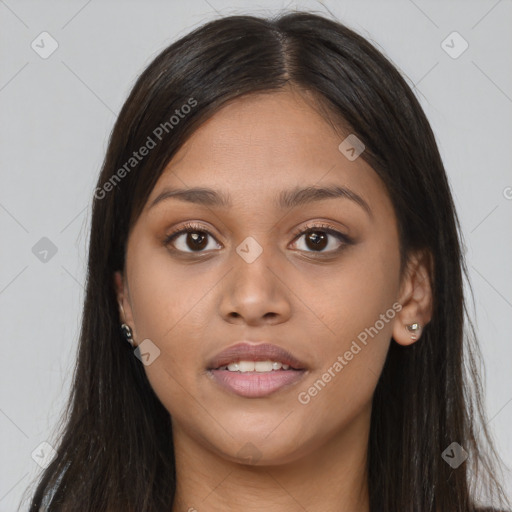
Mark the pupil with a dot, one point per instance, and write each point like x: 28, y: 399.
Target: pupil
x: 316, y: 239
x: 196, y: 237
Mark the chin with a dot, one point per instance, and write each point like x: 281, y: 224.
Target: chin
x: 262, y: 449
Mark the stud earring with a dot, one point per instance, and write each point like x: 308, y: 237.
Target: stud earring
x: 127, y: 333
x: 415, y: 329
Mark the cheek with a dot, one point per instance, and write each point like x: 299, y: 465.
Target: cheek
x: 165, y: 294
x: 354, y: 295
x: 165, y: 305
x: 356, y: 305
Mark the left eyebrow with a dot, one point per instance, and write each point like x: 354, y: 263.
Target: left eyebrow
x: 286, y: 199
x: 300, y: 196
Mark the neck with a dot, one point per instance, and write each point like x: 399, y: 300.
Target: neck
x: 328, y: 477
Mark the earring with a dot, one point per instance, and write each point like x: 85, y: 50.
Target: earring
x: 414, y: 328
x: 127, y: 333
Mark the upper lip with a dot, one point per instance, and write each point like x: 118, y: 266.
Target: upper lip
x: 245, y: 351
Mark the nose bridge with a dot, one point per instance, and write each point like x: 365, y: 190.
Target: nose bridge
x: 253, y: 257
x: 253, y: 289
x: 256, y: 236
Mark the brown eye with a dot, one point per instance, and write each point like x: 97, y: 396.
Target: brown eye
x: 189, y: 239
x: 320, y: 239
x: 316, y: 239
x: 196, y: 240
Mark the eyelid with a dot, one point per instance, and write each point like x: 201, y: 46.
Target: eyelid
x: 184, y: 228
x: 320, y: 226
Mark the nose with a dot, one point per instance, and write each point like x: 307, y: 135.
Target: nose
x: 256, y: 292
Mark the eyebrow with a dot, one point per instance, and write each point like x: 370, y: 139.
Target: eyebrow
x: 286, y: 199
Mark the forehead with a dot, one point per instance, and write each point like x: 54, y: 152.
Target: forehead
x: 262, y: 144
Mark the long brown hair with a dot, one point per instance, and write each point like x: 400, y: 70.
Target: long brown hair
x: 115, y: 449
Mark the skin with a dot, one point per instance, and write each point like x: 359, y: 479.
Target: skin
x: 305, y: 456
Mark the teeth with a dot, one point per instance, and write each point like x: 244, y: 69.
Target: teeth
x: 258, y: 366
x: 263, y: 366
x: 246, y: 366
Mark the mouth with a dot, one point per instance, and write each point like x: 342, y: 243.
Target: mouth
x: 255, y: 371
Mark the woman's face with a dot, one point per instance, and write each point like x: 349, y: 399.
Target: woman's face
x: 331, y: 302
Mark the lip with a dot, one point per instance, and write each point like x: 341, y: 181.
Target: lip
x: 251, y: 352
x: 255, y: 384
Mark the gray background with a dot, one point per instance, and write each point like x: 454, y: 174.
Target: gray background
x: 58, y: 112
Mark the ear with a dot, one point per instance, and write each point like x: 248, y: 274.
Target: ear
x: 123, y: 300
x: 415, y: 297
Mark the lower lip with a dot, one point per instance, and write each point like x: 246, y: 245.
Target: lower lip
x: 256, y: 384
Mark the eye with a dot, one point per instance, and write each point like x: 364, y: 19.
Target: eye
x: 195, y: 238
x: 317, y: 238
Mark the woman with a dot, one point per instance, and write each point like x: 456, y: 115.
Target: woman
x: 274, y: 231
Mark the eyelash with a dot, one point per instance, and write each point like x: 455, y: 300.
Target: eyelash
x: 325, y: 228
